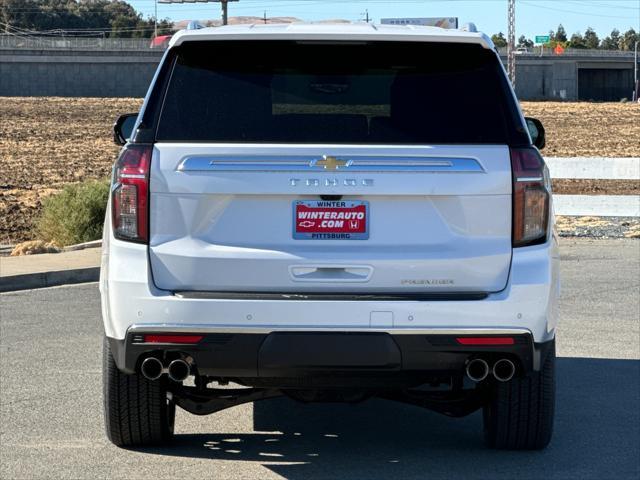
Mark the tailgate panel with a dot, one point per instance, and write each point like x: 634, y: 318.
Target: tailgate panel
x: 230, y: 229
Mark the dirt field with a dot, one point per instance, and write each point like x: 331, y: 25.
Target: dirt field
x: 48, y: 142
x: 583, y: 129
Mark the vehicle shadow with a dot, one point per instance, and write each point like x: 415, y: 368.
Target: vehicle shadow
x: 597, y: 435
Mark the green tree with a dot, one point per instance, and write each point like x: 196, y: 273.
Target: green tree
x: 591, y: 39
x: 115, y: 17
x: 612, y: 42
x: 561, y: 34
x: 498, y: 40
x: 22, y: 14
x: 577, y: 41
x: 524, y: 42
x: 629, y: 39
x: 165, y: 27
x: 124, y: 20
x: 94, y: 14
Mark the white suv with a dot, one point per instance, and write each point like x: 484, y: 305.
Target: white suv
x: 330, y: 212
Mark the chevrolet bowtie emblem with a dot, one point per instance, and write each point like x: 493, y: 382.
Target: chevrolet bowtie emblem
x: 331, y: 163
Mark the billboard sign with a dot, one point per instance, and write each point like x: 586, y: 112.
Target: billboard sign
x: 442, y: 22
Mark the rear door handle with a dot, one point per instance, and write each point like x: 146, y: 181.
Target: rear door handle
x: 330, y: 273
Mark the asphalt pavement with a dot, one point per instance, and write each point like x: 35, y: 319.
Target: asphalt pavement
x: 51, y: 413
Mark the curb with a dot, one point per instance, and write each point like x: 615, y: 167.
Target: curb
x: 5, y: 250
x: 29, y: 281
x: 82, y: 246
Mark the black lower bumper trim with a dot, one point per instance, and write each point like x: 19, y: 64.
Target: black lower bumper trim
x: 330, y: 359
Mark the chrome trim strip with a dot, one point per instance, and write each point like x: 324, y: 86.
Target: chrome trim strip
x: 191, y: 328
x: 308, y: 163
x: 529, y: 179
x: 332, y: 296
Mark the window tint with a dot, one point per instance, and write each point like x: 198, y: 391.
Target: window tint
x: 315, y: 92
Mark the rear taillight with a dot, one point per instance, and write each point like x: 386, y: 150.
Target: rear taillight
x: 485, y: 340
x: 531, y: 197
x: 181, y: 339
x: 130, y: 193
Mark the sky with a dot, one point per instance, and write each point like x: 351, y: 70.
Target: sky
x: 533, y: 17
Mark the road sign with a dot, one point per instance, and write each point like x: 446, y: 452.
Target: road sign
x: 542, y: 38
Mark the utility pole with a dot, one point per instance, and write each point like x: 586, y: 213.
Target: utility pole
x: 155, y: 21
x: 511, y: 42
x: 367, y: 15
x: 225, y: 17
x: 265, y: 17
x: 224, y: 4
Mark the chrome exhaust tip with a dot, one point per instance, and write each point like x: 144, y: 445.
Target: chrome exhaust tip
x: 477, y: 369
x: 504, y: 370
x: 179, y: 370
x: 151, y: 368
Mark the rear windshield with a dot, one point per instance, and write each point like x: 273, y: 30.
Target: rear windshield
x: 314, y: 92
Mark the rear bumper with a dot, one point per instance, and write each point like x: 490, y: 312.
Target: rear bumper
x: 332, y: 342
x: 129, y: 297
x: 329, y: 358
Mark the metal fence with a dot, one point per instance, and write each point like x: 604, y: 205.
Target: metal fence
x: 570, y: 52
x: 11, y: 42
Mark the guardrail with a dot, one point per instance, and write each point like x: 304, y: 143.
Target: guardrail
x: 13, y: 41
x: 570, y: 52
x: 596, y: 168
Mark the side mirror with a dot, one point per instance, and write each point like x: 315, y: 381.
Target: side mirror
x: 123, y: 128
x: 536, y: 131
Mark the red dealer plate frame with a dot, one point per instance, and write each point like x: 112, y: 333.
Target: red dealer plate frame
x: 330, y: 220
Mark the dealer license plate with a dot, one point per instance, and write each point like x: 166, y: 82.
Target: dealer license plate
x: 330, y: 220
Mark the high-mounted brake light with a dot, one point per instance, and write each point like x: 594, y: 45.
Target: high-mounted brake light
x: 130, y: 193
x: 531, y: 197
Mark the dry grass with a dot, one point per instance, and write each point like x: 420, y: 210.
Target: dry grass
x: 598, y: 226
x: 633, y: 232
x: 33, y: 247
x: 46, y: 143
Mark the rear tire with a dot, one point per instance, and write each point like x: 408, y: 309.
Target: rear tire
x: 519, y: 415
x: 137, y: 411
